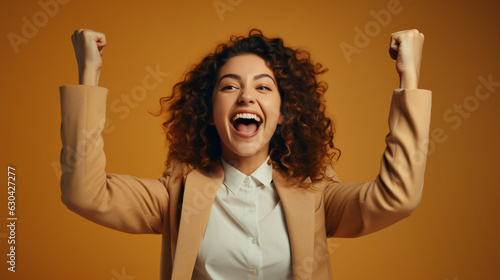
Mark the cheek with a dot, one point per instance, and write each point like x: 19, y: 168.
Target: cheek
x: 220, y: 109
x: 222, y: 101
x: 273, y: 110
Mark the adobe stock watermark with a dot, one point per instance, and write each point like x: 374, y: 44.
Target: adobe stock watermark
x: 121, y: 276
x: 150, y: 82
x: 456, y: 114
x: 123, y: 105
x: 31, y: 26
x: 362, y: 36
x: 223, y: 6
x: 321, y: 254
x: 199, y: 202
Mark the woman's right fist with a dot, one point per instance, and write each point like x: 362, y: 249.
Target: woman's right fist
x: 88, y: 45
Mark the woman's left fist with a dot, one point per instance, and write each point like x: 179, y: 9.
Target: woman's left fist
x: 406, y: 48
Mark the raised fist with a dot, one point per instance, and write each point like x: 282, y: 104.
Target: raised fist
x: 88, y: 45
x: 406, y: 48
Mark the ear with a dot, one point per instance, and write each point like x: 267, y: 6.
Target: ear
x: 211, y: 120
x: 281, y: 119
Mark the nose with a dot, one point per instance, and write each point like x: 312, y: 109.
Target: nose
x: 246, y: 97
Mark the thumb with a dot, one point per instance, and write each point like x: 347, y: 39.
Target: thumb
x: 393, y: 48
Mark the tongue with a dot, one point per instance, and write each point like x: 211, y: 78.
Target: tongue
x: 246, y: 128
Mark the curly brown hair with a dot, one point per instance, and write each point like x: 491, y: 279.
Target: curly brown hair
x: 301, y: 147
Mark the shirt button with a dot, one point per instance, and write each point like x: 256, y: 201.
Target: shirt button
x: 253, y: 271
x: 254, y: 241
x: 246, y: 181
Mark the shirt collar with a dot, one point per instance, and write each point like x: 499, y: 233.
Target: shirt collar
x: 233, y: 178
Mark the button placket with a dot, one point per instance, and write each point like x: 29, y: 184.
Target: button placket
x: 249, y: 195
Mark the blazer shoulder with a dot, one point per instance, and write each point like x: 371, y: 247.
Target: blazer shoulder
x: 176, y: 170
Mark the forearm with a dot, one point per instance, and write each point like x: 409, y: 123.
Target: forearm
x: 408, y: 81
x: 356, y: 209
x: 81, y: 127
x: 402, y: 168
x: 89, y: 77
x: 120, y: 202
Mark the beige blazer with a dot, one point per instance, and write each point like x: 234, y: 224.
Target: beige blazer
x: 178, y: 204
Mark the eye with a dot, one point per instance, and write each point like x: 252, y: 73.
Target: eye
x: 229, y: 87
x: 264, y: 88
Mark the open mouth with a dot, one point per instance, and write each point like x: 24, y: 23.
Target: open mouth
x: 246, y: 124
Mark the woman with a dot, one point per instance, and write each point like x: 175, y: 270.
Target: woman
x: 248, y: 191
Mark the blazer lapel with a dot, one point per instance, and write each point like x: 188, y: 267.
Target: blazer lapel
x: 200, y: 190
x: 298, y: 205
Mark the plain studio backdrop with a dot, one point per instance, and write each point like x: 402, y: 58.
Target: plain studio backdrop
x: 454, y: 232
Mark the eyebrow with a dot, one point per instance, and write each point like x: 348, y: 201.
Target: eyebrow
x: 237, y: 77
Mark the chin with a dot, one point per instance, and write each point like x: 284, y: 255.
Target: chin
x: 249, y: 150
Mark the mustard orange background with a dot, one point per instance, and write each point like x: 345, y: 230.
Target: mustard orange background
x: 453, y: 234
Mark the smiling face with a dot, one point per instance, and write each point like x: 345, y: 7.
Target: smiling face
x: 246, y: 108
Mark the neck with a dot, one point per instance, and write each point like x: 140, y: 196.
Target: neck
x: 246, y: 165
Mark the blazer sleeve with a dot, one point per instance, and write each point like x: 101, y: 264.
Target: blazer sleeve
x: 121, y: 202
x: 356, y: 209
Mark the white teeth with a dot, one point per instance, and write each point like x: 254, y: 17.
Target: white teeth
x: 246, y: 116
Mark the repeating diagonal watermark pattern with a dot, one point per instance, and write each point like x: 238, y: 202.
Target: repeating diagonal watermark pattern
x: 150, y: 82
x: 121, y: 275
x: 31, y: 26
x: 223, y: 6
x: 458, y: 112
x: 320, y: 255
x: 454, y: 116
x: 371, y: 29
x: 123, y: 105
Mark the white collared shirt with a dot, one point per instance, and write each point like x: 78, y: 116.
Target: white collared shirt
x: 246, y: 235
